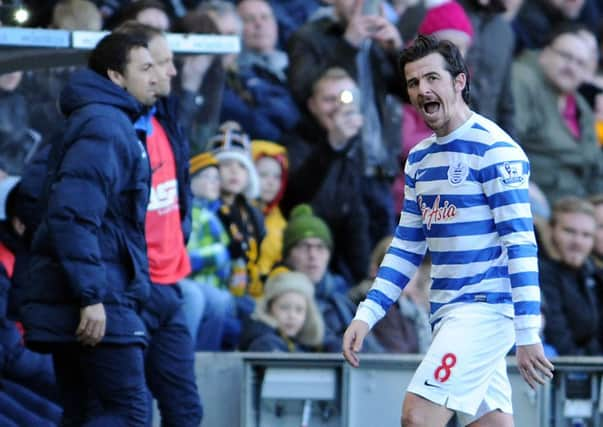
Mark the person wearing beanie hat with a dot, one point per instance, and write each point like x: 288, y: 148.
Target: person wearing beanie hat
x: 232, y: 145
x: 303, y: 224
x: 447, y: 20
x: 307, y: 248
x: 207, y: 300
x: 287, y: 318
x: 205, y: 177
x: 272, y: 164
x: 243, y: 221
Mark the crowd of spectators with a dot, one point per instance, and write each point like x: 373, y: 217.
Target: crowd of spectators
x: 295, y: 151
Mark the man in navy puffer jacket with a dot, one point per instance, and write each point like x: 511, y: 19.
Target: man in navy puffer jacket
x: 88, y: 273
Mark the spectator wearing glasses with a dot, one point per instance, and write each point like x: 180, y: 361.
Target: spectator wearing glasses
x: 554, y: 122
x: 307, y: 248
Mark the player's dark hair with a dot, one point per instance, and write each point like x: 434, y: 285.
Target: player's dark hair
x: 113, y: 53
x: 426, y: 45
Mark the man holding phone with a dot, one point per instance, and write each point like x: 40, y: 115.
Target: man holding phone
x: 325, y: 168
x: 363, y: 43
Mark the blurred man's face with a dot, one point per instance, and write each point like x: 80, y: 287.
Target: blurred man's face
x: 311, y: 257
x: 228, y: 25
x: 574, y: 237
x: 155, y: 18
x: 569, y: 8
x: 324, y: 102
x: 260, y: 31
x: 164, y: 64
x: 565, y: 62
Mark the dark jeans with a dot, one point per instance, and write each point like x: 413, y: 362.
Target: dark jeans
x: 102, y: 385
x: 170, y: 358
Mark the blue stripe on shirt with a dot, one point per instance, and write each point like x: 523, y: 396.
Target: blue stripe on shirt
x: 522, y: 251
x: 527, y: 307
x: 489, y: 298
x: 393, y: 276
x: 514, y: 225
x: 456, y: 284
x: 409, y: 233
x: 508, y: 198
x: 528, y: 278
x: 466, y: 257
x: 407, y: 255
x: 380, y: 298
x: 473, y: 228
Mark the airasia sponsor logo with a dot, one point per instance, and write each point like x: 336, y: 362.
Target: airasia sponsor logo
x: 436, y: 213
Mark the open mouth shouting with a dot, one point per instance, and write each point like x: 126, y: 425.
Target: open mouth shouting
x: 430, y: 108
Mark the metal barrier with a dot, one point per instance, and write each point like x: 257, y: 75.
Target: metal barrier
x: 276, y: 389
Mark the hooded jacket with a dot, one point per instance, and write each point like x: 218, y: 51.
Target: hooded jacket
x: 90, y: 247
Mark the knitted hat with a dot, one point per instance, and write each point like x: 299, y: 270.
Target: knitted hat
x: 202, y: 161
x: 303, y: 224
x: 231, y: 143
x: 312, y: 333
x: 447, y: 15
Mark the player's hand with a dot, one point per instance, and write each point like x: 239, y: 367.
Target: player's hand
x: 93, y: 322
x: 352, y: 341
x: 533, y: 366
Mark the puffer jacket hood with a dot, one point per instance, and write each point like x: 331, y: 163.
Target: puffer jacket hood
x: 88, y: 87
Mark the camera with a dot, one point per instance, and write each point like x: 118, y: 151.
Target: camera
x: 349, y: 101
x: 346, y: 97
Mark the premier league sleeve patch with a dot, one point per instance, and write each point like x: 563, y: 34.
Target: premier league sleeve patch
x: 511, y: 174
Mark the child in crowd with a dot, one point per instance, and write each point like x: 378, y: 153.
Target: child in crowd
x: 286, y: 318
x: 208, y: 304
x: 272, y: 165
x: 243, y: 222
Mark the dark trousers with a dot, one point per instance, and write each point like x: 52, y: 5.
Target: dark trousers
x: 102, y: 385
x: 170, y: 359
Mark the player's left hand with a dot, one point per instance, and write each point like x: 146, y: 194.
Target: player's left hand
x: 533, y: 366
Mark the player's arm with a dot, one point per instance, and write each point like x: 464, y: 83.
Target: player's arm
x: 505, y: 176
x: 399, y: 265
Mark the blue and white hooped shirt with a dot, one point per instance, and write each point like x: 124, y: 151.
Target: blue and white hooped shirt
x: 466, y: 199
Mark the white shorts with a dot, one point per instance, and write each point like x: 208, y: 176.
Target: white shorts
x: 465, y: 368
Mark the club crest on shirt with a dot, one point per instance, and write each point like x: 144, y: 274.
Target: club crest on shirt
x: 457, y: 173
x: 511, y: 174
